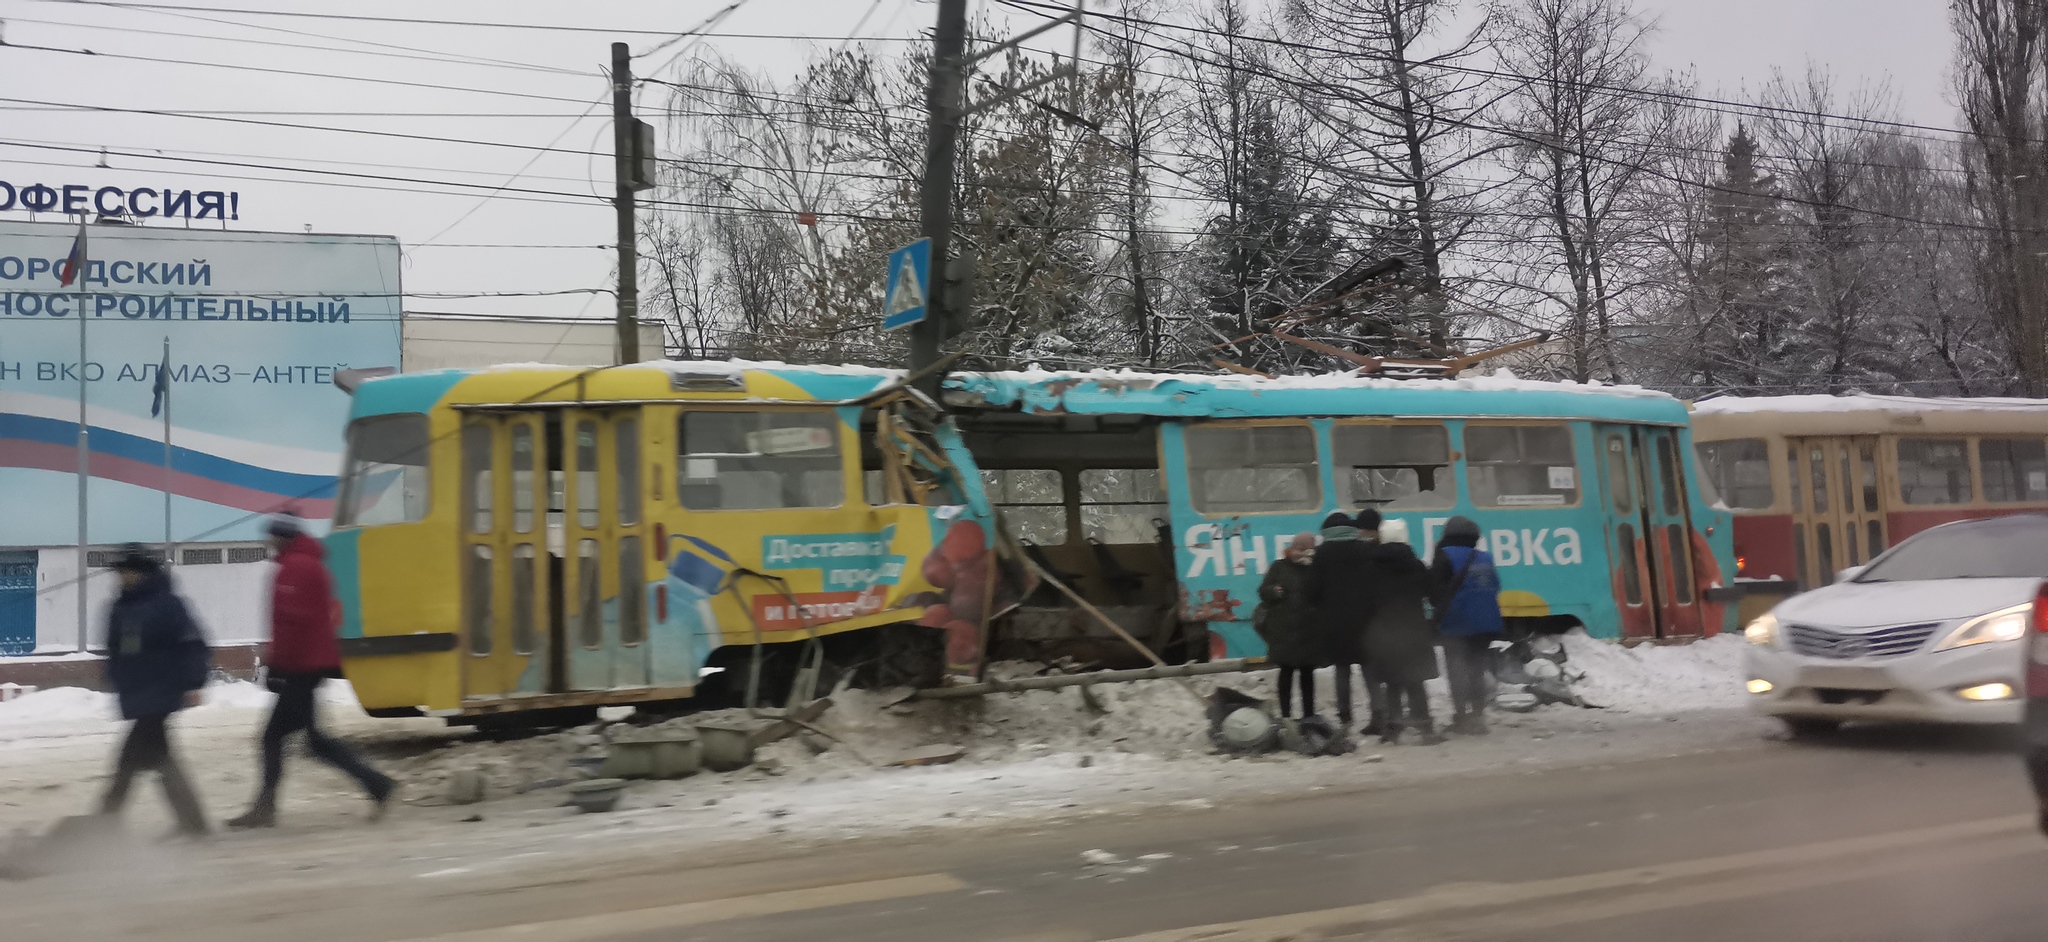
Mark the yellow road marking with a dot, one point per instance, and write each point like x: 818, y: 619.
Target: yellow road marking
x: 1667, y: 878
x: 605, y: 925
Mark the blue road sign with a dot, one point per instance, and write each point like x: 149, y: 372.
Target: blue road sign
x: 910, y: 283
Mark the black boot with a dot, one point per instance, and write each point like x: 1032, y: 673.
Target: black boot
x: 1426, y: 734
x: 380, y: 794
x: 263, y: 814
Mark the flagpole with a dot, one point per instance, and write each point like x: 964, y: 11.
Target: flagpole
x: 84, y: 443
x: 170, y: 548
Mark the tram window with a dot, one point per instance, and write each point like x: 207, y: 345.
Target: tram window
x: 1118, y: 505
x: 632, y: 593
x: 523, y: 633
x: 590, y: 601
x: 1818, y: 467
x: 1876, y: 538
x: 2015, y: 469
x: 1394, y: 467
x: 626, y: 451
x: 1679, y: 550
x: 1667, y: 475
x: 1868, y: 462
x: 1619, y: 479
x: 1631, y: 569
x: 1520, y: 465
x: 480, y: 592
x: 1824, y: 548
x: 1032, y: 500
x: 759, y: 460
x: 386, y: 479
x: 522, y: 478
x: 1799, y: 550
x: 1739, y: 469
x: 1792, y: 473
x: 1850, y: 486
x: 1934, y: 471
x: 478, y: 495
x: 586, y: 475
x: 1250, y: 469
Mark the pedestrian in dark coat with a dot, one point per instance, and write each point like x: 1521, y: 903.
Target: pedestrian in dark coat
x: 305, y: 650
x: 1467, y: 601
x: 157, y: 660
x: 1283, y: 619
x: 1400, y: 641
x: 1340, y: 595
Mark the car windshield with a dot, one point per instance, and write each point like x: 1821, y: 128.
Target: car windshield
x: 1984, y: 552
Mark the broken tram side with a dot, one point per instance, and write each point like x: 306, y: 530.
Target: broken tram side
x: 526, y: 539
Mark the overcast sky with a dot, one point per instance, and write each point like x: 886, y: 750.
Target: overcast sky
x: 530, y: 87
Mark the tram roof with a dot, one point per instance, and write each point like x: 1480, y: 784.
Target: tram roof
x: 1863, y: 414
x: 1097, y: 392
x: 1123, y: 392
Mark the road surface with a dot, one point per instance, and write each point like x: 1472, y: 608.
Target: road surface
x: 1882, y: 835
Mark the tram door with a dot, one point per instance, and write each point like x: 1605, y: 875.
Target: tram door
x: 603, y: 571
x: 1649, y: 534
x: 1835, y: 518
x: 505, y: 572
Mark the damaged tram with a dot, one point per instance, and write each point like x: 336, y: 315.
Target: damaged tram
x: 526, y: 539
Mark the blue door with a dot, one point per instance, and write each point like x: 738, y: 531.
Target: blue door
x: 18, y: 603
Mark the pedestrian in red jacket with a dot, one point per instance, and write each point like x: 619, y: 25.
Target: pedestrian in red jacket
x: 304, y: 650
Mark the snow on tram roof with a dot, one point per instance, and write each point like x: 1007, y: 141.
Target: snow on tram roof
x: 1863, y: 402
x: 1502, y: 380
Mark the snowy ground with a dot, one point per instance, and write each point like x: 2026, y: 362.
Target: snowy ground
x: 1033, y: 757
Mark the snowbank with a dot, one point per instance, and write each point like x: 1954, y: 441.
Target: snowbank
x: 77, y: 705
x: 1657, y: 679
x: 1152, y: 723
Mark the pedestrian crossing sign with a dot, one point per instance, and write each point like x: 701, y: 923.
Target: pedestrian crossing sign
x: 910, y: 281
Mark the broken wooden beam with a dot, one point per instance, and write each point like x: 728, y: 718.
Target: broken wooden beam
x: 1055, y: 681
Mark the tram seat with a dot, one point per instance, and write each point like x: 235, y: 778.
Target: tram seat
x: 1045, y: 595
x: 1120, y: 580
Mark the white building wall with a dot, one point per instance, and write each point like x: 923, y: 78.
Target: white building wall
x: 230, y: 600
x: 434, y: 343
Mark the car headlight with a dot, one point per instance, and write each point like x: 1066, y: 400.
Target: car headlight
x: 1762, y: 630
x: 2006, y: 624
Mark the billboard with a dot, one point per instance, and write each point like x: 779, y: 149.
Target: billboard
x: 256, y: 325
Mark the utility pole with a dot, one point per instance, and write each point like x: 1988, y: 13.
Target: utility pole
x: 935, y: 202
x: 625, y: 176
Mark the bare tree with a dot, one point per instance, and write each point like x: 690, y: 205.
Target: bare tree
x: 2002, y: 84
x: 1821, y: 146
x: 1264, y: 234
x: 1401, y: 110
x: 1583, y: 143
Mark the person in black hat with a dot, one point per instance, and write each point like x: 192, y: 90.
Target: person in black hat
x: 1339, y: 597
x: 157, y: 660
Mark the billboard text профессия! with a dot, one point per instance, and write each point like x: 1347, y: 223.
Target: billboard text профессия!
x: 258, y: 323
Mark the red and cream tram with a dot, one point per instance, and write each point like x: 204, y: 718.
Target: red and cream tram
x: 1821, y: 483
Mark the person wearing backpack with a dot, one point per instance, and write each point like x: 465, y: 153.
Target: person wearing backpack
x: 1467, y: 603
x: 157, y: 661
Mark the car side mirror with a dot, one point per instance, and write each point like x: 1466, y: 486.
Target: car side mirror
x: 1849, y: 574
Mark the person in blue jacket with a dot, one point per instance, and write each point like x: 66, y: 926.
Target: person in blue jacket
x: 1468, y: 618
x: 157, y: 660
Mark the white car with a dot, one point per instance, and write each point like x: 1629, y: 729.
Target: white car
x: 1933, y: 630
